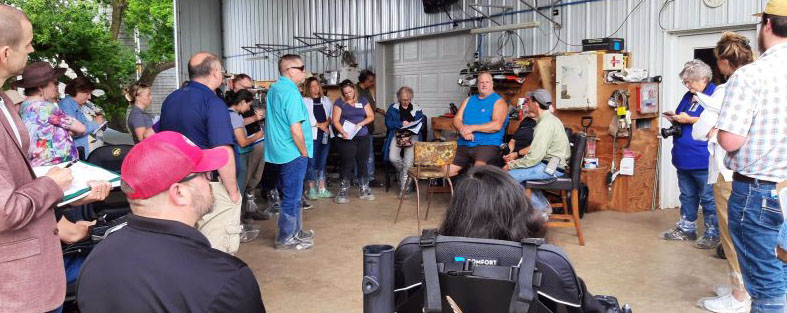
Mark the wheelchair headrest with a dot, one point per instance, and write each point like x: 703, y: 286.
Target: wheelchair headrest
x: 109, y: 157
x: 558, y: 281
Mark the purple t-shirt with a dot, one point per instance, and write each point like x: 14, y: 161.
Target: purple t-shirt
x: 353, y: 113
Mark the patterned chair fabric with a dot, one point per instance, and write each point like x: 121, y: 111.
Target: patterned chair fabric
x: 434, y: 153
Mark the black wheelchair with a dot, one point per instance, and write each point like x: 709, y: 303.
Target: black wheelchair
x: 433, y: 273
x: 110, y: 215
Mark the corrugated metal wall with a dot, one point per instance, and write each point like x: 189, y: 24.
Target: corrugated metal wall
x: 197, y: 28
x: 650, y: 28
x: 249, y: 22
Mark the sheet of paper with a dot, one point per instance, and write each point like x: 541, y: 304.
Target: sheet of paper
x: 101, y: 127
x: 82, y: 172
x: 351, y: 129
x: 414, y: 127
x: 256, y: 141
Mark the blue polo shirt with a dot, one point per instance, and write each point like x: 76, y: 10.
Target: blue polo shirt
x: 285, y: 108
x: 197, y: 113
x: 687, y: 153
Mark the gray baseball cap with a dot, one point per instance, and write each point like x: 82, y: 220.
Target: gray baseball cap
x: 542, y: 96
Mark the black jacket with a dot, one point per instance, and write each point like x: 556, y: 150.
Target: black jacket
x: 155, y: 265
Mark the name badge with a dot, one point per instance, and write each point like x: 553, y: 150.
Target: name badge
x: 694, y: 104
x: 359, y: 105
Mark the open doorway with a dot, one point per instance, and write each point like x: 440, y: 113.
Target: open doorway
x: 707, y: 56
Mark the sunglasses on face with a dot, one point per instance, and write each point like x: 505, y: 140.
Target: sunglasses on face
x: 301, y: 68
x: 195, y: 175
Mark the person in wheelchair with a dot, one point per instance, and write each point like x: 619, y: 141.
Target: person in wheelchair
x: 490, y: 204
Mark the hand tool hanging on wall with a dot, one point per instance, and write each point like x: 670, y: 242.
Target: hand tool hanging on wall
x: 620, y: 126
x: 587, y: 121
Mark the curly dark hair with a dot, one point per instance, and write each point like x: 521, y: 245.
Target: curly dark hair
x: 490, y: 204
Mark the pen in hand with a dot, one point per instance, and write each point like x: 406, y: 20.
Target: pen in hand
x: 70, y: 163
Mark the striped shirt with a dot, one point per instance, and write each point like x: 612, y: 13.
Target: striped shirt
x: 755, y: 107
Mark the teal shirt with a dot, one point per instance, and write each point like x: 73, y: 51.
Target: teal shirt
x: 285, y: 108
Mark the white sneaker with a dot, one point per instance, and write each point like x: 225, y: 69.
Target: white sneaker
x: 726, y: 304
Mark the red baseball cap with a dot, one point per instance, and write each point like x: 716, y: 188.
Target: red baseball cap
x: 154, y: 164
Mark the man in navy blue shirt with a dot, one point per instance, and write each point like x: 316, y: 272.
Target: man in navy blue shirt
x: 159, y: 262
x: 195, y: 111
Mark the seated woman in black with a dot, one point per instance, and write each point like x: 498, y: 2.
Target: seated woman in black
x: 519, y: 144
x: 488, y: 204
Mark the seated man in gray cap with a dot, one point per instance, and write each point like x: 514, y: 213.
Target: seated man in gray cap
x: 550, y: 144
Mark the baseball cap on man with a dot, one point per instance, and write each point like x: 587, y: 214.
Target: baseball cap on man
x: 543, y: 97
x: 775, y: 7
x: 154, y: 164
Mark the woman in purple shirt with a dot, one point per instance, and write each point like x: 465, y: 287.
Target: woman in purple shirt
x: 353, y: 147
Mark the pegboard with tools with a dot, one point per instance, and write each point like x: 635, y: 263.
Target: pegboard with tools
x: 624, y: 134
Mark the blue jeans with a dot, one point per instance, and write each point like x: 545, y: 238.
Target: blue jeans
x: 783, y: 236
x: 291, y: 182
x: 755, y: 219
x: 695, y: 191
x: 316, y: 168
x: 73, y: 264
x: 536, y: 172
x: 240, y: 170
x: 370, y: 162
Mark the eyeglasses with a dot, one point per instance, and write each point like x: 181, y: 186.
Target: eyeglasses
x: 301, y: 68
x: 195, y: 175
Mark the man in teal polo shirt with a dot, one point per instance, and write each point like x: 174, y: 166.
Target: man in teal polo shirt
x: 289, y: 143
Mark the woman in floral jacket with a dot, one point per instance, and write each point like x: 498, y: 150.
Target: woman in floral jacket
x: 50, y: 129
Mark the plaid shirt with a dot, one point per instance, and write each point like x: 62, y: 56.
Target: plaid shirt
x: 755, y: 107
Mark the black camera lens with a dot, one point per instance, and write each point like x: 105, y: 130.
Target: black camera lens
x: 674, y: 130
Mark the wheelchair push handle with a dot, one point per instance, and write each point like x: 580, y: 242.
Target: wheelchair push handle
x: 378, y: 279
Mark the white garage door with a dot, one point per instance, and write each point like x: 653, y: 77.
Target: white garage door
x: 430, y: 66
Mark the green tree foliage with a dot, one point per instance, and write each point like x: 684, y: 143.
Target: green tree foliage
x: 80, y: 34
x: 154, y: 19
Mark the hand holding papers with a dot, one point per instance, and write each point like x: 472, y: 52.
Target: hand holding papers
x: 350, y: 129
x: 414, y: 126
x: 82, y: 173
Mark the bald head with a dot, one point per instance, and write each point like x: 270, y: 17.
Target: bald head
x: 16, y: 42
x: 201, y: 64
x: 11, y: 22
x: 205, y: 68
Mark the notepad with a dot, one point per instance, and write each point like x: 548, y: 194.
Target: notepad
x: 414, y: 127
x: 82, y: 172
x: 351, y: 129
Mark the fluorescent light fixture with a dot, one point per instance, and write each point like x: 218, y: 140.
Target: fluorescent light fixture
x: 259, y: 57
x: 503, y: 28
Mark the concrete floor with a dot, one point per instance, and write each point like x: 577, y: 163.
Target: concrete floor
x: 623, y: 256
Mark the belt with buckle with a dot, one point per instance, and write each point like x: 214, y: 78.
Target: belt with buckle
x: 746, y: 179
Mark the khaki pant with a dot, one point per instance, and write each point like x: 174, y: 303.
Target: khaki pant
x: 721, y: 193
x: 255, y: 164
x: 222, y: 225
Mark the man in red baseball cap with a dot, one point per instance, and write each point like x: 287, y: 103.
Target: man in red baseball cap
x: 167, y: 265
